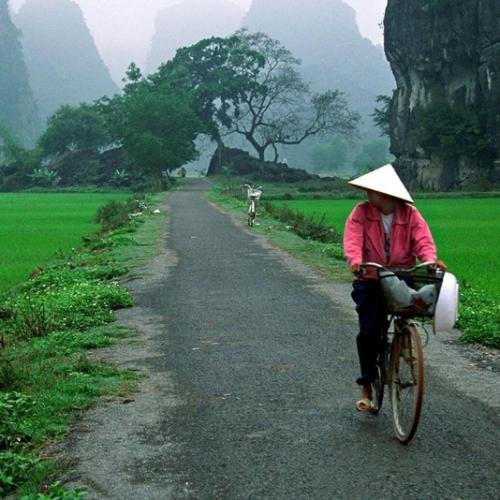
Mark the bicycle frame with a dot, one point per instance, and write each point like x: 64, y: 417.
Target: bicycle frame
x: 400, y: 366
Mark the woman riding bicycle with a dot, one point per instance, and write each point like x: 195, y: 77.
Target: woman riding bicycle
x: 387, y: 230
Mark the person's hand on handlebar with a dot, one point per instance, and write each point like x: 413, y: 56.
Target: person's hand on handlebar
x: 440, y: 265
x: 356, y: 268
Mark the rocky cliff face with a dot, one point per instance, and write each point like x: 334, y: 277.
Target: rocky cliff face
x: 63, y: 62
x: 452, y: 49
x: 18, y: 111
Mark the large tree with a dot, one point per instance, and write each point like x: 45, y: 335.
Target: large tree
x: 218, y: 73
x: 283, y: 110
x: 248, y: 84
x: 74, y: 128
x: 154, y: 121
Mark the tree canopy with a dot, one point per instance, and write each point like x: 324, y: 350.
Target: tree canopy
x: 284, y: 110
x: 74, y: 128
x: 154, y: 121
x: 382, y: 116
x: 218, y: 73
x: 248, y: 84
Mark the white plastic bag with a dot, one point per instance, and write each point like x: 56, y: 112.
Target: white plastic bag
x: 399, y: 296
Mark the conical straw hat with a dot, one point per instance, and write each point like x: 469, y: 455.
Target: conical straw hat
x: 384, y: 180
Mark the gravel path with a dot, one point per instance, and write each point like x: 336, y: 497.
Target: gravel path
x: 250, y: 392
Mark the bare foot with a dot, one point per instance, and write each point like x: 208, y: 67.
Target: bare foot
x: 365, y: 403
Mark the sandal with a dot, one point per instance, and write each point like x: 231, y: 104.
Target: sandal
x: 364, y: 405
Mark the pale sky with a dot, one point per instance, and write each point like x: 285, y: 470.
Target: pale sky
x: 128, y: 25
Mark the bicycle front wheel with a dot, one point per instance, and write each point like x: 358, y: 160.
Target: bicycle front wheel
x: 406, y: 382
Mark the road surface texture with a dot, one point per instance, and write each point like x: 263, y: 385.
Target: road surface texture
x: 249, y: 391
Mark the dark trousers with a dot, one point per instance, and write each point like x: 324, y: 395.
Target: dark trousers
x: 370, y: 306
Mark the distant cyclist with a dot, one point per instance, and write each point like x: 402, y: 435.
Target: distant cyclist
x: 253, y: 195
x: 387, y: 230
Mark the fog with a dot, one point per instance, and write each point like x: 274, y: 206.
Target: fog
x: 123, y: 29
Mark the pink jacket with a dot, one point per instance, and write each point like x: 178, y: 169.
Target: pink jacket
x: 410, y: 237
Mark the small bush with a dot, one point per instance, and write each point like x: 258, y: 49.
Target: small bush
x: 334, y: 251
x: 113, y: 215
x: 9, y: 374
x: 31, y: 319
x: 73, y: 307
x: 15, y: 469
x: 57, y: 492
x: 14, y: 408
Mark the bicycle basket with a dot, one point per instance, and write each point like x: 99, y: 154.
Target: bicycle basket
x: 413, y: 293
x: 254, y: 194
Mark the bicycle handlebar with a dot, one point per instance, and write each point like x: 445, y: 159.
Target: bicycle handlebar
x: 428, y: 263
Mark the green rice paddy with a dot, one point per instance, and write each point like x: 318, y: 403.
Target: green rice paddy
x: 35, y: 227
x: 466, y: 231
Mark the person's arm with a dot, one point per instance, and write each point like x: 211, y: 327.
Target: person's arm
x: 423, y: 244
x: 353, y: 238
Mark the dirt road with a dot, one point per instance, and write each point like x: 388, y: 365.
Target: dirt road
x: 250, y: 392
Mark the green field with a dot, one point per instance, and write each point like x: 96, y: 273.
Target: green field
x: 466, y: 231
x: 36, y: 226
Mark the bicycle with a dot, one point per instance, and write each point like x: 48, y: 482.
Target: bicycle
x: 253, y: 195
x: 400, y: 361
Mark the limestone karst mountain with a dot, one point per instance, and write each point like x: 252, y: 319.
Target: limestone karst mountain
x: 448, y: 59
x: 18, y: 111
x: 325, y: 36
x: 62, y: 59
x: 188, y: 22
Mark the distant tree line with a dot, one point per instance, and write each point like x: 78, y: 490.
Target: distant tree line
x: 243, y: 85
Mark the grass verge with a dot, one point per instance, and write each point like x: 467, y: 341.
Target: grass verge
x: 50, y: 324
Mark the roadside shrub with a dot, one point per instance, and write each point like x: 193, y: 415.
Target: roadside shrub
x: 15, y: 469
x: 9, y: 376
x: 14, y: 408
x: 58, y: 277
x: 113, y: 215
x: 304, y: 226
x: 57, y: 492
x: 74, y: 306
x: 31, y: 319
x: 334, y: 251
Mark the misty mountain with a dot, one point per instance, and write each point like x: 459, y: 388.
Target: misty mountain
x: 188, y: 22
x: 18, y: 111
x: 325, y: 36
x: 63, y: 62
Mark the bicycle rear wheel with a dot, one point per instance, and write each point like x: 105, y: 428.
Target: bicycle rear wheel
x: 406, y: 382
